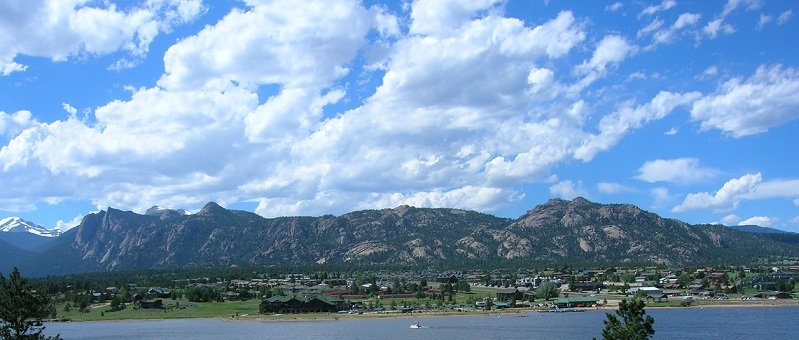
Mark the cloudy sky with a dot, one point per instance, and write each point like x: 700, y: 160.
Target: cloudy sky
x: 686, y: 109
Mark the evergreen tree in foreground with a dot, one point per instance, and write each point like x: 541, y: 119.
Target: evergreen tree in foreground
x: 21, y: 309
x: 634, y: 323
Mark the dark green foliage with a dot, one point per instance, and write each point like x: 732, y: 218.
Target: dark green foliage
x: 21, y: 308
x: 117, y: 304
x: 558, y: 232
x: 546, y: 290
x: 202, y: 294
x: 630, y: 322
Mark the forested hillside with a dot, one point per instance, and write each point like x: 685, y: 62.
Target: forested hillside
x: 559, y: 231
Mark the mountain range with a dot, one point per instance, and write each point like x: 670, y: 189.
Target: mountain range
x: 25, y: 235
x: 557, y: 232
x: 18, y: 225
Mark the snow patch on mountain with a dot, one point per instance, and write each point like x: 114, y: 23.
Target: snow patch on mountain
x: 18, y: 225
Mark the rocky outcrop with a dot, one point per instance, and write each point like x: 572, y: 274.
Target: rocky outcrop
x: 558, y: 231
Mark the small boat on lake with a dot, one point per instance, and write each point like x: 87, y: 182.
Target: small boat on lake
x: 416, y: 325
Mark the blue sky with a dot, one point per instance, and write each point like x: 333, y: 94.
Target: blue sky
x: 685, y: 108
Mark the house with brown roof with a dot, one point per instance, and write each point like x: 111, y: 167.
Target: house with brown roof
x: 308, y: 304
x: 150, y: 304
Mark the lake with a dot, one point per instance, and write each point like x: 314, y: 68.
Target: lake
x: 688, y: 323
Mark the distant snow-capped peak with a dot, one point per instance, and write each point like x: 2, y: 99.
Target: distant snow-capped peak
x: 18, y: 225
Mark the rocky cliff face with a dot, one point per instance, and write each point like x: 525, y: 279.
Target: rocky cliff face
x: 558, y: 231
x: 586, y: 231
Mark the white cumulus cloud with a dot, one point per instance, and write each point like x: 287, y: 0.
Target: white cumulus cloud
x: 726, y: 198
x: 13, y: 123
x: 434, y: 17
x: 686, y: 19
x: 609, y: 52
x: 613, y: 49
x: 784, y: 17
x: 786, y: 188
x: 762, y: 221
x: 67, y: 225
x: 743, y: 107
x: 730, y: 219
x: 668, y: 35
x: 680, y: 170
x: 208, y: 132
x: 764, y: 20
x: 58, y: 29
x: 616, y: 125
x: 612, y: 188
x: 713, y: 28
x: 273, y: 43
x: 665, y: 5
x: 661, y: 195
x: 567, y: 189
x: 732, y: 5
x: 321, y: 107
x: 614, y: 7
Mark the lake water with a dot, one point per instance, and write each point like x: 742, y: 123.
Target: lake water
x: 690, y: 323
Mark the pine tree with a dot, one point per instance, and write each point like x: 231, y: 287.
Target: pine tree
x: 21, y: 309
x: 634, y: 323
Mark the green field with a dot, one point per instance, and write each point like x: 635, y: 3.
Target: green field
x: 462, y: 303
x: 181, y: 308
x: 185, y: 309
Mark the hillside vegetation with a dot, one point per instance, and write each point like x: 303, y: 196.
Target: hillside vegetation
x: 559, y: 231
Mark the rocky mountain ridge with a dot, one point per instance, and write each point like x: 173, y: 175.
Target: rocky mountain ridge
x: 557, y: 232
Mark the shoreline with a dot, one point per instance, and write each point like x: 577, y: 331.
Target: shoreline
x: 740, y: 303
x: 511, y: 312
x: 506, y: 313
